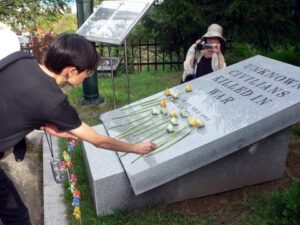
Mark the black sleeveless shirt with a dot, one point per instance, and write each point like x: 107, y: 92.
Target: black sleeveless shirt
x: 203, y: 67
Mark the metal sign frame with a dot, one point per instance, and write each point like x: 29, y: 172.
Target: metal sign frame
x: 107, y: 23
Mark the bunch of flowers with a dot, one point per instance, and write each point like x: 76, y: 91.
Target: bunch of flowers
x: 174, y: 135
x: 145, y: 124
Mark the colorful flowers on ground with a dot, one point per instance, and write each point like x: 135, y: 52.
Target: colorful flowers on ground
x: 66, y: 165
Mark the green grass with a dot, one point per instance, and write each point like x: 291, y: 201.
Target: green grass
x: 281, y: 207
x: 142, y: 84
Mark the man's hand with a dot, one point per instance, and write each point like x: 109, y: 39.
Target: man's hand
x: 144, y: 148
x: 52, y: 129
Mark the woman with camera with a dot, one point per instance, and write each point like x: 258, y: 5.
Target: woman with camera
x: 205, y: 55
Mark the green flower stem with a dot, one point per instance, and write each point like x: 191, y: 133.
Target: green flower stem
x: 140, y: 103
x: 159, y: 134
x: 132, y: 114
x: 121, y: 125
x: 123, y: 154
x: 147, y: 107
x: 154, y: 132
x: 171, y: 143
x: 164, y: 147
x: 150, y: 106
x: 170, y: 136
x: 150, y: 128
x: 134, y: 131
x: 144, y: 107
x: 133, y: 127
x: 150, y: 103
x: 151, y: 134
x: 142, y: 130
x: 140, y: 156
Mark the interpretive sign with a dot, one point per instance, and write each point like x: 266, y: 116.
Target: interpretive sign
x: 239, y: 105
x: 112, y: 21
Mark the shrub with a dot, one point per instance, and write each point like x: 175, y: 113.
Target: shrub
x: 288, y: 54
x: 239, y: 52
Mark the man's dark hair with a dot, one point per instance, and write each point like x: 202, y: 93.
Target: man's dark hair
x: 70, y: 50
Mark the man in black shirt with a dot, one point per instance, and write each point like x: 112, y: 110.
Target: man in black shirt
x: 30, y: 98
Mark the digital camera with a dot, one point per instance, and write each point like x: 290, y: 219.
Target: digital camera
x: 201, y: 46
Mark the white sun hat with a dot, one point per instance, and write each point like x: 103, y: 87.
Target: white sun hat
x: 214, y: 30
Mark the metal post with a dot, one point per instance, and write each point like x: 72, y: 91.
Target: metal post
x: 126, y: 66
x: 112, y: 76
x: 90, y: 85
x: 80, y: 16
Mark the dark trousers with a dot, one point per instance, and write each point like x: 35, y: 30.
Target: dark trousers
x: 12, y: 209
x: 20, y: 150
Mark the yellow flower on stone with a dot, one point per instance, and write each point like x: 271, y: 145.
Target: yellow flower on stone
x: 173, y: 113
x: 163, y: 103
x: 167, y: 92
x: 188, y: 88
x: 195, y: 122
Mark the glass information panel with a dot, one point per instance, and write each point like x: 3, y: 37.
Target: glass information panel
x: 112, y: 21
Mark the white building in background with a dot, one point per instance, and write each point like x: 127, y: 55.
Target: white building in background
x: 9, y: 42
x: 73, y: 8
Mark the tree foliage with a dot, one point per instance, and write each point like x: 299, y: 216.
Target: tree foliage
x: 179, y: 23
x: 262, y: 22
x: 97, y: 2
x: 24, y: 13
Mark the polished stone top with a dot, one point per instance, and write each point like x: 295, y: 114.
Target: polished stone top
x: 239, y: 105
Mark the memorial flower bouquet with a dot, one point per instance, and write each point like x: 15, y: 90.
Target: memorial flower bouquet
x: 153, y: 119
x: 174, y: 136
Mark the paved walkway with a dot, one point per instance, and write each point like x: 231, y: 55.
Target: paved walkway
x: 28, y: 176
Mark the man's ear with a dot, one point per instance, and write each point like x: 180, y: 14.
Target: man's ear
x: 70, y: 71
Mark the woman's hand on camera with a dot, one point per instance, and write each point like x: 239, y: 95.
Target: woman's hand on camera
x: 216, y: 47
x: 198, y: 41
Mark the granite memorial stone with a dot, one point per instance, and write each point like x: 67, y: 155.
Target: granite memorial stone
x: 112, y: 191
x: 240, y: 105
x: 247, y: 109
